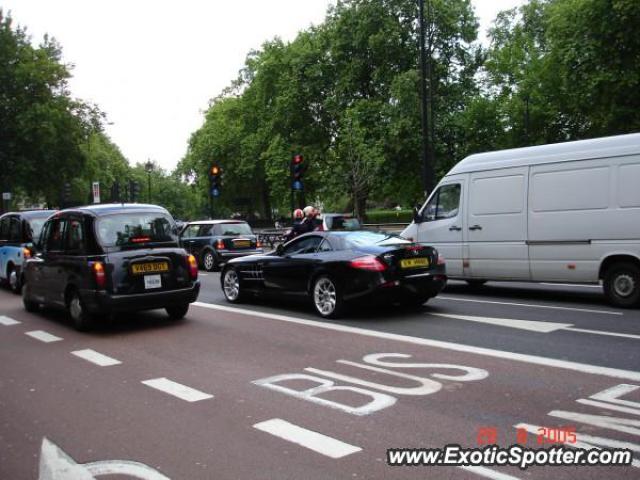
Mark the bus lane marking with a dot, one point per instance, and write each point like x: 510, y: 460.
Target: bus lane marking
x: 315, y: 441
x: 96, y: 358
x: 177, y: 390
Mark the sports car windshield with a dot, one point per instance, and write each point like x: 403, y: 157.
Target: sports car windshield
x: 357, y: 239
x: 131, y: 229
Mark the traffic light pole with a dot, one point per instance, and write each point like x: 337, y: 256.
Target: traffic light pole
x: 427, y: 159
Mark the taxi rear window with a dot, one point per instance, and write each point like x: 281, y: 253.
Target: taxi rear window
x: 136, y: 229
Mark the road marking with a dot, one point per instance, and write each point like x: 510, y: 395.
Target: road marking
x: 532, y: 325
x: 43, y: 336
x: 488, y: 473
x: 177, y: 390
x: 96, y: 357
x: 8, y: 321
x: 315, y: 441
x: 458, y: 347
x: 56, y: 464
x: 553, y: 307
x: 602, y: 332
x: 570, y: 285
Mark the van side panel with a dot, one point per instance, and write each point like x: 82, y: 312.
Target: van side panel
x: 497, y: 224
x: 581, y: 212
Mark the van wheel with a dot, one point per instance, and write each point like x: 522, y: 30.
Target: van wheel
x: 622, y: 285
x: 82, y: 320
x: 177, y: 312
x: 475, y: 283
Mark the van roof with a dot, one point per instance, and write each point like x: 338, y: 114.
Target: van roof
x: 618, y: 145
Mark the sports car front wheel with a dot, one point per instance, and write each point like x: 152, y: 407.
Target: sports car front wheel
x: 231, y: 285
x: 327, y: 297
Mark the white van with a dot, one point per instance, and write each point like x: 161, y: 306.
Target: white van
x: 567, y: 212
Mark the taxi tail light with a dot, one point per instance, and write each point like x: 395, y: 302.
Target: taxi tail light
x: 258, y: 244
x: 220, y: 244
x: 26, y: 253
x: 193, y: 267
x: 368, y: 262
x: 99, y: 274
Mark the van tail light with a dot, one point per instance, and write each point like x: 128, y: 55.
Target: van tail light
x: 26, y: 253
x: 220, y: 244
x: 441, y: 260
x: 368, y: 262
x: 99, y: 274
x: 193, y: 267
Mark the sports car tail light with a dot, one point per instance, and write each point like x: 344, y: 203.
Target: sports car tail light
x: 98, y: 274
x: 368, y: 262
x: 193, y: 267
x: 220, y: 244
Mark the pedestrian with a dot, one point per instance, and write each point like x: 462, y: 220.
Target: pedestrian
x: 310, y: 223
x: 296, y: 228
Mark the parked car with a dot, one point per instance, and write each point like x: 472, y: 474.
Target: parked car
x: 568, y: 212
x: 103, y: 259
x: 18, y: 233
x: 214, y: 242
x: 337, y: 269
x: 339, y: 221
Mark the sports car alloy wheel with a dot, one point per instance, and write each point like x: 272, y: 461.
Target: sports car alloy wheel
x: 324, y: 296
x: 231, y: 285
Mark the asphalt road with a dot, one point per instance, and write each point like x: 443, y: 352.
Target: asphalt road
x: 272, y: 391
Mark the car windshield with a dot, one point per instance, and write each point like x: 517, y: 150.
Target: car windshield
x: 234, y: 229
x: 131, y: 229
x: 342, y: 223
x: 357, y: 239
x: 35, y: 225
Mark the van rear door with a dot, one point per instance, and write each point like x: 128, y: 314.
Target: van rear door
x: 496, y: 225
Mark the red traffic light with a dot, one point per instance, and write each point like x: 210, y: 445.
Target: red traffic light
x: 298, y: 159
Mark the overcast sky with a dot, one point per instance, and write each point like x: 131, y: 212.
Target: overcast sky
x: 153, y: 65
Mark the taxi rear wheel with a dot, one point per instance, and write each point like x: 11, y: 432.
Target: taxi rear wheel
x: 14, y: 280
x: 177, y: 312
x: 82, y: 320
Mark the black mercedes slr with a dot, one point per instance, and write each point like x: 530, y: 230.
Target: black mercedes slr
x: 340, y: 268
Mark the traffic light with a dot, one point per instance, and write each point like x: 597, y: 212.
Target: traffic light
x: 134, y: 191
x: 66, y: 192
x: 215, y: 177
x: 298, y: 168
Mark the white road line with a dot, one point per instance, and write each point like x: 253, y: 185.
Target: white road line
x: 457, y: 347
x: 307, y: 438
x: 43, y: 336
x: 530, y: 325
x: 570, y: 285
x: 8, y: 321
x: 488, y: 473
x: 96, y: 357
x: 177, y: 390
x: 601, y: 332
x: 553, y: 307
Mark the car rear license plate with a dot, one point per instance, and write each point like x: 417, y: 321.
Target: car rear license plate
x: 152, y: 281
x: 241, y: 243
x: 414, y: 262
x: 151, y: 267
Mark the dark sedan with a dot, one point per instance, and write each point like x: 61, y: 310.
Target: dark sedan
x: 214, y: 242
x: 335, y: 269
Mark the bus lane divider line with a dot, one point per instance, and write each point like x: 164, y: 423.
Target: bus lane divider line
x: 457, y: 347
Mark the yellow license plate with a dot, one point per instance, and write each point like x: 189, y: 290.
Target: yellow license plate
x: 153, y: 267
x: 242, y: 243
x: 414, y: 262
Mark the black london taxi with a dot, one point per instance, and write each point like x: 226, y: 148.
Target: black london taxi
x: 99, y: 260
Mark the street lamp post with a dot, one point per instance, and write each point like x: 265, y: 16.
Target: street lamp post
x: 425, y: 70
x: 149, y: 168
